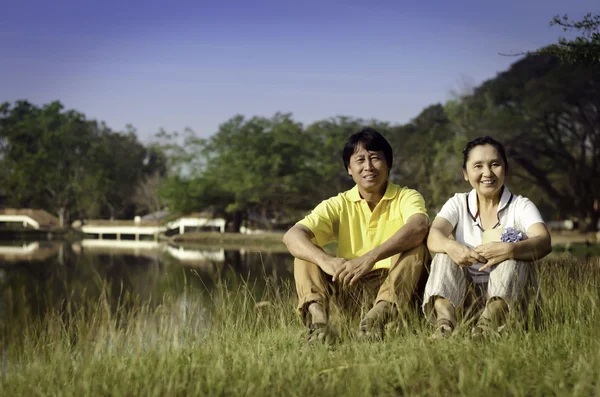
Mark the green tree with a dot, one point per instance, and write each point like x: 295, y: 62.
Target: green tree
x: 43, y: 156
x: 422, y: 149
x: 548, y: 115
x: 55, y: 159
x: 251, y: 167
x: 327, y: 139
x: 583, y: 49
x: 119, y: 158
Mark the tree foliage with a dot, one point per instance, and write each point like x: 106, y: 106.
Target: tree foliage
x: 548, y: 116
x: 544, y: 111
x: 422, y: 157
x: 583, y: 49
x: 272, y: 170
x: 58, y: 160
x: 257, y: 167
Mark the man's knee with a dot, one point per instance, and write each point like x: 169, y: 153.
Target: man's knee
x: 311, y: 282
x: 408, y: 276
x: 304, y: 267
x: 416, y: 258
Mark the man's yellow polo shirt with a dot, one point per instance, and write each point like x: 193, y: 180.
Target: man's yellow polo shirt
x: 347, y: 219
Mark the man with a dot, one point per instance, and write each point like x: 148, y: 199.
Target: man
x: 380, y: 229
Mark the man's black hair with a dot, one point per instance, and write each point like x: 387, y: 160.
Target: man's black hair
x: 371, y: 140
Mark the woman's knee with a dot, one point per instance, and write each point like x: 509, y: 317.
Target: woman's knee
x: 443, y: 264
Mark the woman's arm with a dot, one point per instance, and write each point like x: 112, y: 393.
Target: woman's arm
x: 537, y: 246
x: 438, y: 235
x: 438, y: 241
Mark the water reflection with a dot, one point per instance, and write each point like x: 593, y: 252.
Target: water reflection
x: 39, y: 277
x: 14, y: 252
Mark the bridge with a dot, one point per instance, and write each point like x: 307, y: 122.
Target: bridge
x: 203, y: 220
x: 29, y: 218
x: 116, y: 230
x: 139, y: 229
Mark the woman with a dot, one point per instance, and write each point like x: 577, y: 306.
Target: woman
x: 499, y: 268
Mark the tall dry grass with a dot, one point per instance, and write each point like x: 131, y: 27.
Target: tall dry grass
x: 244, y: 339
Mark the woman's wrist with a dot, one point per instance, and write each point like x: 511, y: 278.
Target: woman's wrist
x: 448, y: 244
x: 510, y: 250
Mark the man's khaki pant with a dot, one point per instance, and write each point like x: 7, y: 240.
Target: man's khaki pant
x: 396, y: 285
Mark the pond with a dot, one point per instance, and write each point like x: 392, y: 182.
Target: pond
x: 42, y: 276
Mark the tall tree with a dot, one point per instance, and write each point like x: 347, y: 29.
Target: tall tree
x: 418, y: 148
x: 548, y: 115
x: 55, y: 159
x: 119, y: 158
x: 584, y: 49
x: 327, y: 139
x: 251, y: 167
x: 43, y: 156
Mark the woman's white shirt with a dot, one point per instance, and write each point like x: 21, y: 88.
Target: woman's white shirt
x: 462, y: 212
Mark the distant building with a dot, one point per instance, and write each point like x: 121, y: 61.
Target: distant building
x: 120, y: 229
x: 198, y: 221
x: 29, y: 218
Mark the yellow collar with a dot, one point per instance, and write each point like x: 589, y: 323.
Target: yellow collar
x: 390, y: 192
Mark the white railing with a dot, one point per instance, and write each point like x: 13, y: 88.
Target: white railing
x: 24, y: 219
x: 182, y: 223
x: 120, y: 230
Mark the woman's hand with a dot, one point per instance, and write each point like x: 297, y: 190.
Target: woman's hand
x: 463, y: 255
x: 494, y: 253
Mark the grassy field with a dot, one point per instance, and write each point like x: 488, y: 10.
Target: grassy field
x: 245, y: 340
x: 270, y: 241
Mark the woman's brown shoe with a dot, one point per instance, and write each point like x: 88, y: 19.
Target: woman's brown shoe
x: 443, y: 329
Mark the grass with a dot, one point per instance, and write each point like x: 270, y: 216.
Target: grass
x: 244, y: 339
x: 265, y: 241
x: 578, y: 249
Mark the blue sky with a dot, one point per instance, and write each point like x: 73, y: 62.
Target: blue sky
x: 195, y: 64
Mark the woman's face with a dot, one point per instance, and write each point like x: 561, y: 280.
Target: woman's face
x: 485, y: 171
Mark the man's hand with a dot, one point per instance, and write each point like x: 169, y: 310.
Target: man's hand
x: 352, y: 270
x: 494, y: 253
x: 463, y: 255
x: 331, y: 265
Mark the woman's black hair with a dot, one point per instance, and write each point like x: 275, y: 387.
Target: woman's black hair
x: 371, y: 140
x: 484, y: 140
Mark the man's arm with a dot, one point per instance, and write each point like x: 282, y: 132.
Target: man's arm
x: 298, y: 242
x: 406, y: 238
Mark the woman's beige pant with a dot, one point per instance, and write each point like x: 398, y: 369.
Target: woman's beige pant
x: 448, y: 280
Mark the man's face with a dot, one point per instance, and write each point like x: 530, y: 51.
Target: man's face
x: 368, y: 169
